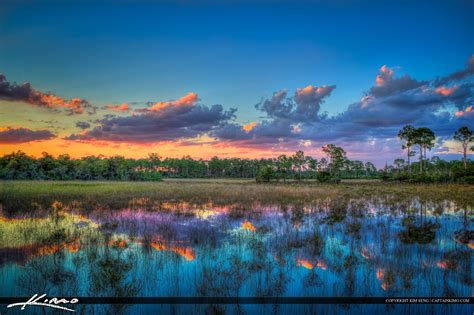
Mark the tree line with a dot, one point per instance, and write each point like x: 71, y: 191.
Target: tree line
x: 331, y: 168
x: 416, y: 141
x: 19, y: 165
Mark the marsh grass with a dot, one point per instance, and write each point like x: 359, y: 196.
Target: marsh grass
x: 51, y: 230
x: 19, y: 196
x: 351, y: 239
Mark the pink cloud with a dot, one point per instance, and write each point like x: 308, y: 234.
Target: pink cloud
x: 188, y: 100
x: 385, y: 74
x: 468, y: 112
x: 446, y: 91
x: 118, y: 108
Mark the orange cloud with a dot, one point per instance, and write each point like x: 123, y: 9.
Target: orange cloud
x: 118, y: 108
x: 385, y: 74
x: 249, y: 127
x: 465, y: 112
x: 53, y: 101
x: 14, y: 92
x: 188, y: 100
x: 310, y: 89
x: 446, y: 91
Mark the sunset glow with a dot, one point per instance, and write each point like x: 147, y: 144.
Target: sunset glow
x: 236, y: 156
x: 251, y: 95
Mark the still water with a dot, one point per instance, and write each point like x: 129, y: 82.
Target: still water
x: 155, y: 249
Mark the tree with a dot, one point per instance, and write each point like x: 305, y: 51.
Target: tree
x: 337, y: 156
x: 407, y: 134
x: 464, y: 135
x: 399, y: 164
x: 424, y: 138
x: 312, y: 165
x: 299, y: 161
x: 357, y: 167
x: 265, y: 174
x: 322, y: 165
x: 370, y: 168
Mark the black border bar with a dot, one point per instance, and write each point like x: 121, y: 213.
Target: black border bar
x: 256, y: 300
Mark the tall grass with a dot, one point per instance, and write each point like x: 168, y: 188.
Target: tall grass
x: 18, y: 196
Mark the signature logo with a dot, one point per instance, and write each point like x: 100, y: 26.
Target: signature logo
x: 41, y: 300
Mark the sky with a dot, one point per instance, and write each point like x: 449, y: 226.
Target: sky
x: 233, y: 78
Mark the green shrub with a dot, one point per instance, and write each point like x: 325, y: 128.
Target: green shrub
x: 323, y: 177
x: 401, y: 176
x: 467, y: 180
x: 265, y: 174
x: 385, y: 176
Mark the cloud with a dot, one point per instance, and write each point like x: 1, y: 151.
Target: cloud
x: 118, y: 108
x: 442, y: 149
x: 21, y: 135
x: 468, y: 112
x: 303, y: 106
x: 468, y: 71
x: 291, y: 120
x: 82, y: 124
x: 14, y: 92
x: 231, y: 131
x: 277, y: 106
x: 446, y: 91
x: 248, y: 127
x: 309, y: 99
x: 386, y: 84
x: 388, y: 105
x: 179, y: 119
x: 385, y: 75
x: 186, y: 101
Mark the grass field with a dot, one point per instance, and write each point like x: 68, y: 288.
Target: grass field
x: 20, y: 195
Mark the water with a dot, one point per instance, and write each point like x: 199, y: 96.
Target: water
x: 329, y: 248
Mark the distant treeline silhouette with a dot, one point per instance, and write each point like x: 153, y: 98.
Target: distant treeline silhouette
x: 19, y: 165
x: 332, y: 168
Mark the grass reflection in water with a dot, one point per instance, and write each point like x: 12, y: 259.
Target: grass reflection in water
x: 375, y: 245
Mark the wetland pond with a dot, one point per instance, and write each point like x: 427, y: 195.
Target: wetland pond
x: 154, y: 248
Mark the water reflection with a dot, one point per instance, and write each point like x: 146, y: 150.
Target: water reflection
x: 185, y: 252
x: 151, y: 248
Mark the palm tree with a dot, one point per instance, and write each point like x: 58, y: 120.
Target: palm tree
x: 406, y: 134
x: 464, y: 135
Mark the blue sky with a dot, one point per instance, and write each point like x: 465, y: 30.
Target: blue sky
x: 233, y: 53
